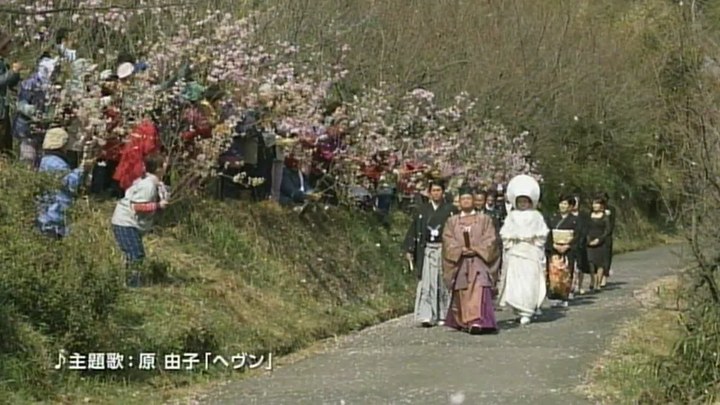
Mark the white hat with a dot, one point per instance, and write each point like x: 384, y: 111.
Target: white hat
x: 55, y: 139
x: 125, y: 70
x: 523, y: 186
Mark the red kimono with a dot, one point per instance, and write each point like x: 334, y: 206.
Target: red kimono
x: 144, y: 140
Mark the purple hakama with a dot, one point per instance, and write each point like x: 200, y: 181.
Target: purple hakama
x: 486, y: 322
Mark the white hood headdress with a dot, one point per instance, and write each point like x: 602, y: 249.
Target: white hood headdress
x: 523, y: 186
x: 524, y: 225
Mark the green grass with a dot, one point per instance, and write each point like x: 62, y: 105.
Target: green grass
x: 625, y: 245
x: 635, y: 232
x: 225, y: 277
x: 627, y: 373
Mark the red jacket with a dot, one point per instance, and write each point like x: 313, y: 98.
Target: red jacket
x: 144, y: 140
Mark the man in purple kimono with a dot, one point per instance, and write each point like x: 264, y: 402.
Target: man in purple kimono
x: 470, y: 250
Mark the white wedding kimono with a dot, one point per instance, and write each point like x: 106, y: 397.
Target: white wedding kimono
x: 523, y: 236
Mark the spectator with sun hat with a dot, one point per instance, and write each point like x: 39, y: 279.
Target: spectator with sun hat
x: 53, y: 207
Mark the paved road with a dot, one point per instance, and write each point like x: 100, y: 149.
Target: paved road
x: 397, y: 363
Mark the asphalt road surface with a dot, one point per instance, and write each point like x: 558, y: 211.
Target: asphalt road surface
x: 399, y: 363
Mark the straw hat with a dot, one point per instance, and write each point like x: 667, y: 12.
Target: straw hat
x: 125, y: 70
x: 55, y: 138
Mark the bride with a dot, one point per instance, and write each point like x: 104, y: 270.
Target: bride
x: 523, y: 236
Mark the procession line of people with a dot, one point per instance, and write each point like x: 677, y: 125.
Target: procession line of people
x: 471, y: 262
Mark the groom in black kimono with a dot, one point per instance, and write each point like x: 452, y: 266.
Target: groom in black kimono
x: 423, y: 249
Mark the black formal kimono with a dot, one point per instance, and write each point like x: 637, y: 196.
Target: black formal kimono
x: 427, y: 226
x: 611, y: 213
x: 599, y: 255
x: 424, y: 241
x: 580, y: 251
x: 561, y: 265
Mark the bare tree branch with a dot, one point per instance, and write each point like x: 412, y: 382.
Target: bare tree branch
x: 87, y: 10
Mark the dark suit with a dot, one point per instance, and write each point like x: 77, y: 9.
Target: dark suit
x: 609, y: 240
x: 290, y: 190
x: 418, y: 234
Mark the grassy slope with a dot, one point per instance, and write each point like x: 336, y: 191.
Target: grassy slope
x: 626, y: 374
x: 227, y: 278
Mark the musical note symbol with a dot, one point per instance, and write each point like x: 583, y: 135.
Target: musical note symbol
x: 61, y: 360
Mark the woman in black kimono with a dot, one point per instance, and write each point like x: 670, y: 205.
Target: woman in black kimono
x: 580, y: 252
x: 598, y: 232
x: 611, y: 212
x: 560, y: 249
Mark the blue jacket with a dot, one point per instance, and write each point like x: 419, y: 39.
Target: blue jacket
x: 53, y: 206
x: 31, y: 102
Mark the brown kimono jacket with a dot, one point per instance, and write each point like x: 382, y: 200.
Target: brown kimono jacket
x: 467, y: 275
